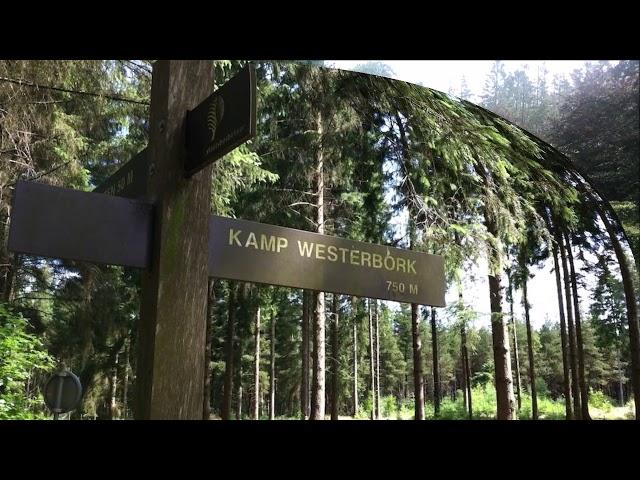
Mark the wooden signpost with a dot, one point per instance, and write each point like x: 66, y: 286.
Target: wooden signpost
x: 154, y: 214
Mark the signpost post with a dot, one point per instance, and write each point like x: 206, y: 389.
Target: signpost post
x: 164, y: 227
x: 171, y: 331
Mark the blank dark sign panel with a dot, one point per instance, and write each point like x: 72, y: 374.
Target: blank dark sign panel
x: 63, y: 223
x: 130, y: 180
x: 257, y: 252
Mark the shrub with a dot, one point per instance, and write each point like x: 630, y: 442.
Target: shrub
x: 22, y: 358
x: 599, y: 400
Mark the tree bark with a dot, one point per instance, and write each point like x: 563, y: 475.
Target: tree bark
x: 563, y: 332
x: 239, y: 383
x: 256, y: 372
x: 501, y: 356
x: 9, y: 261
x: 355, y: 366
x: 225, y: 413
x: 113, y: 382
x: 272, y: 371
x: 377, y: 339
x: 584, y: 391
x: 417, y: 363
x: 514, y: 332
x: 532, y: 372
x: 172, y: 327
x: 318, y: 406
x: 5, y: 260
x: 463, y: 376
x: 620, y: 383
x: 467, y: 372
x: 304, y: 390
x: 125, y: 378
x: 9, y: 287
x: 334, y: 360
x: 503, y: 382
x: 436, y: 369
x: 372, y: 367
x: 575, y: 388
x: 319, y: 366
x: 206, y: 398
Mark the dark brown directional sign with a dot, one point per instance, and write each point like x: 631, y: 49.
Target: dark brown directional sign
x: 130, y: 180
x: 63, y: 223
x: 222, y: 122
x: 257, y: 252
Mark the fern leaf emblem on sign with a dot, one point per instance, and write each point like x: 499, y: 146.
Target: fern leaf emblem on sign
x: 214, y: 117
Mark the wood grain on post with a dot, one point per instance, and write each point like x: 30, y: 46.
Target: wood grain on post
x: 172, y: 327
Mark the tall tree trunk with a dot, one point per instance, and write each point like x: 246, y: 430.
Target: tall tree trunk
x: 355, y: 366
x: 304, y: 390
x: 563, y: 332
x: 372, y: 367
x: 417, y: 363
x: 463, y: 377
x: 620, y: 391
x: 256, y: 371
x: 467, y: 373
x: 334, y: 360
x: 8, y: 261
x: 575, y: 388
x: 125, y: 377
x: 4, y: 253
x: 318, y: 386
x: 584, y: 392
x: 532, y: 372
x: 436, y: 369
x: 272, y: 371
x: 240, y: 389
x: 319, y: 321
x: 312, y: 317
x: 632, y: 308
x: 9, y: 286
x: 206, y: 400
x: 113, y: 382
x: 377, y: 338
x: 514, y: 333
x: 501, y: 357
x: 225, y: 413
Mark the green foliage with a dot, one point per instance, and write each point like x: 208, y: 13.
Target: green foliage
x: 23, y: 361
x: 629, y: 214
x: 597, y: 399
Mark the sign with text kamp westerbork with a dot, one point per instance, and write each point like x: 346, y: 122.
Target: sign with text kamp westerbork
x: 258, y: 252
x: 222, y: 122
